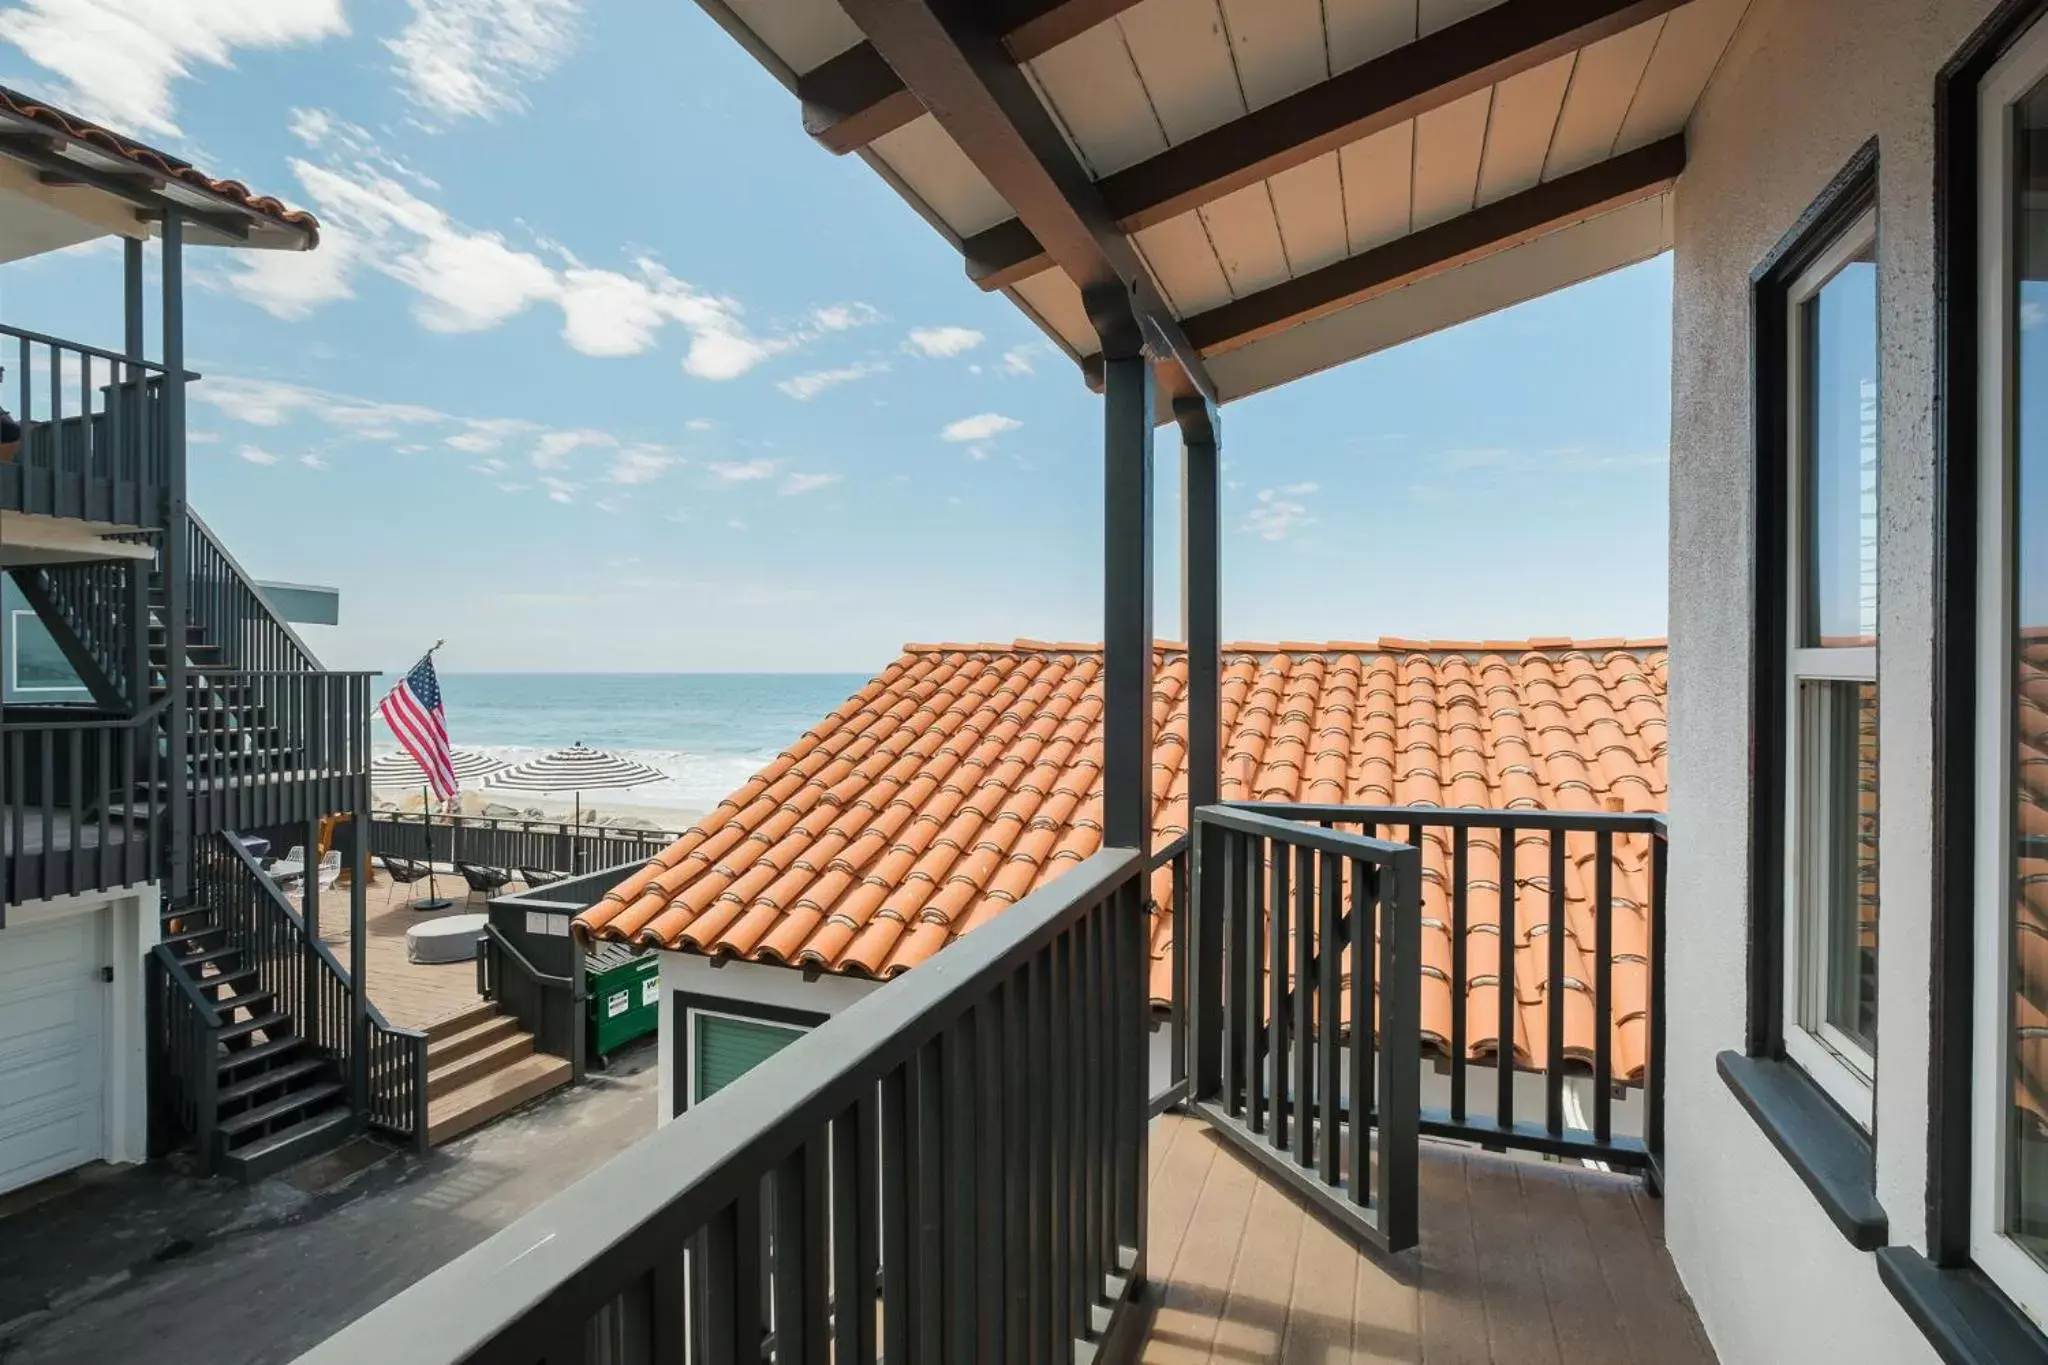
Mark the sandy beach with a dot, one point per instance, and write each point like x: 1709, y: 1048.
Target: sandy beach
x: 598, y: 809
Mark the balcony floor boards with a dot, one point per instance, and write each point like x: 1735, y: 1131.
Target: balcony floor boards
x: 1521, y: 1262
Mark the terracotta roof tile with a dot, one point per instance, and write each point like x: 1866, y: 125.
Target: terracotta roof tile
x: 75, y: 129
x: 965, y: 776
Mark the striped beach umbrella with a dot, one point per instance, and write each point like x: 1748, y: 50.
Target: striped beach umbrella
x: 575, y: 769
x: 399, y: 769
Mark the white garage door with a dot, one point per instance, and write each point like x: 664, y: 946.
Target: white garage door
x: 52, y: 1048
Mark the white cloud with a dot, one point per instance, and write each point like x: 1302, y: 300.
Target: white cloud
x: 486, y: 434
x: 805, y: 387
x: 750, y: 471
x: 736, y: 524
x: 641, y: 464
x: 838, y: 317
x: 467, y: 280
x: 698, y: 424
x: 313, y: 461
x: 1021, y: 360
x: 119, y: 58
x: 467, y: 58
x: 938, y: 343
x: 797, y: 484
x: 1277, y: 514
x: 257, y: 455
x: 555, y: 448
x: 559, y: 490
x: 982, y: 427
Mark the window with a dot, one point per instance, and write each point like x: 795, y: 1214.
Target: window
x: 725, y: 1047
x: 2009, y: 1178
x: 35, y: 664
x: 1830, y: 896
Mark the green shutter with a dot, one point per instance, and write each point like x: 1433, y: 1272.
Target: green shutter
x: 728, y: 1048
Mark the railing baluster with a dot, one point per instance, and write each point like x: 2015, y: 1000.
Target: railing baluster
x: 1553, y: 994
x: 1304, y: 1003
x: 1329, y: 1004
x: 1280, y: 903
x: 1504, y: 1058
x: 1229, y: 1009
x: 899, y: 1256
x: 959, y: 1103
x: 1653, y: 1078
x: 1364, y: 989
x: 1060, y: 1120
x: 1603, y: 986
x: 1461, y: 890
x: 1251, y: 983
x: 991, y: 1249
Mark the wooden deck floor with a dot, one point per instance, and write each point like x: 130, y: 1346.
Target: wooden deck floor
x: 411, y: 994
x: 1521, y: 1263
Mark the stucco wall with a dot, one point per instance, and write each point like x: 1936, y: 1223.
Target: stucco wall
x: 1803, y: 87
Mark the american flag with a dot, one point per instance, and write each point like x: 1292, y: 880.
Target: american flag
x: 413, y: 711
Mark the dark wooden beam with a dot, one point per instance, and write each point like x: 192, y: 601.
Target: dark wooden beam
x: 1427, y: 74
x: 966, y: 76
x: 139, y: 187
x: 1505, y: 223
x: 855, y: 97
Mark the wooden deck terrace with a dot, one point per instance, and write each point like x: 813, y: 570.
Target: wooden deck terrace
x: 1522, y: 1262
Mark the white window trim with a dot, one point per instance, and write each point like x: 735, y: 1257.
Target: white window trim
x: 2019, y: 1275
x: 14, y: 682
x: 1840, y: 1065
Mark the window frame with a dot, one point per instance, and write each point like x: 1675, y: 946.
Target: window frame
x: 1838, y: 1063
x: 2017, y: 1274
x: 686, y: 1004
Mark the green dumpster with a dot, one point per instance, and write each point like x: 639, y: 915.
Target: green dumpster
x: 624, y: 991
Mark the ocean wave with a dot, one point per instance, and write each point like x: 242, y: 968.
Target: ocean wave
x: 692, y: 781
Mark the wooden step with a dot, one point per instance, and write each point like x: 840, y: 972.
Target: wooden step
x: 462, y: 1021
x: 272, y: 1025
x: 277, y: 1077
x: 475, y: 1038
x: 305, y: 1098
x: 263, y: 1054
x: 273, y: 1152
x: 477, y: 1103
x: 457, y: 1072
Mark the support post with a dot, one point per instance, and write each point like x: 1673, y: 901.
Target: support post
x: 124, y: 436
x: 358, y: 917
x: 178, y: 777
x: 309, y: 1016
x: 1201, y: 611
x: 1127, y: 578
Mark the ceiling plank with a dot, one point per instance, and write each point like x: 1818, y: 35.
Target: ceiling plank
x: 1411, y: 80
x: 855, y: 97
x: 1509, y: 222
x: 139, y: 188
x: 981, y: 97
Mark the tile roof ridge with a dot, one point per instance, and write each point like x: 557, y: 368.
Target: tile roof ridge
x: 1386, y: 644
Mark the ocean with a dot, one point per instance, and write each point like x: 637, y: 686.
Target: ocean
x: 709, y: 732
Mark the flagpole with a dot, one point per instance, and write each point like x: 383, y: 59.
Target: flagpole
x: 434, y: 900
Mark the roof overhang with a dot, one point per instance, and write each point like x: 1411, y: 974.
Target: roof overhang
x: 63, y: 176
x: 1279, y: 186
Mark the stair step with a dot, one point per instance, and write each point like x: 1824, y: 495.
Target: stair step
x: 270, y: 1023
x: 234, y: 1062
x: 473, y: 1105
x: 472, y: 1066
x: 248, y: 1000
x: 285, y: 1075
x: 185, y: 938
x: 226, y: 981
x: 209, y: 957
x: 312, y: 1135
x: 306, y: 1097
x: 460, y: 1022
x: 477, y: 1037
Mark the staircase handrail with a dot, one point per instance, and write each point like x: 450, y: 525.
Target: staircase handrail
x: 113, y: 357
x: 208, y: 1010
x: 281, y: 904
x: 203, y: 534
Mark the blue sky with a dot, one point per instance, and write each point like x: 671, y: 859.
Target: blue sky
x: 604, y: 365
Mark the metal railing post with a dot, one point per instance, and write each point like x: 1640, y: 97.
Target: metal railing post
x: 175, y: 559
x: 358, y: 914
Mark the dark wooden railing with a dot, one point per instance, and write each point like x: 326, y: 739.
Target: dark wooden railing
x: 1172, y: 883
x: 312, y: 987
x: 547, y: 1005
x: 95, y: 444
x: 544, y: 845
x: 950, y: 1169
x: 1306, y: 934
x: 80, y: 808
x: 225, y: 603
x: 96, y: 605
x: 1530, y: 860
x: 271, y: 747
x: 184, y: 1057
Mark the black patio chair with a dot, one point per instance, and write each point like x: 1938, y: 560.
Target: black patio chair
x: 484, y: 880
x: 534, y: 877
x: 404, y: 871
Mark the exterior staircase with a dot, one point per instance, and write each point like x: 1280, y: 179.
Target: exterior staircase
x: 480, y: 1065
x: 278, y: 1101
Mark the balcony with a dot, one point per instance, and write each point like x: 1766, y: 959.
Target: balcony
x: 978, y: 1159
x: 97, y: 444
